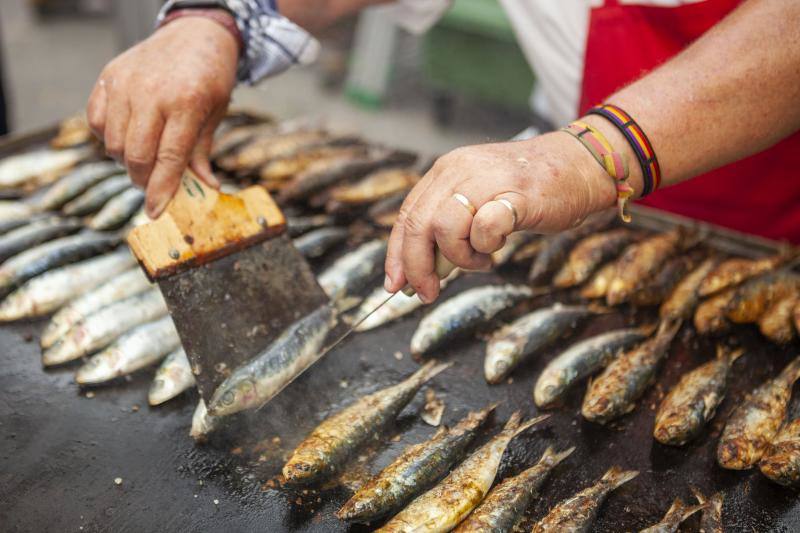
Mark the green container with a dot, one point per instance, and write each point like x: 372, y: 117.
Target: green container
x: 473, y: 51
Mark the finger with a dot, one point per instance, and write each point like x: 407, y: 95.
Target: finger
x: 96, y: 109
x: 117, y: 117
x: 451, y: 230
x: 417, y: 254
x: 144, y: 134
x: 493, y: 222
x: 177, y: 142
x: 395, y: 279
x: 199, y: 161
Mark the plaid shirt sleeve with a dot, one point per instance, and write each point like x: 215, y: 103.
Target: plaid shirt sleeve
x: 272, y: 43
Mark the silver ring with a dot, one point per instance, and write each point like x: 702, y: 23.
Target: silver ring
x: 463, y: 200
x: 511, y: 208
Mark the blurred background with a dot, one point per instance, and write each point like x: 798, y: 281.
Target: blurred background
x: 372, y: 77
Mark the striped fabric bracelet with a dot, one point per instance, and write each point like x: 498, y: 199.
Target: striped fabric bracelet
x: 651, y: 171
x: 612, y: 162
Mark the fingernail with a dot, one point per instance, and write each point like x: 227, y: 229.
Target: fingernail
x: 387, y: 283
x: 155, y: 208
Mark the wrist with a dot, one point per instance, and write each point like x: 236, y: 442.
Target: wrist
x: 620, y: 145
x: 222, y: 18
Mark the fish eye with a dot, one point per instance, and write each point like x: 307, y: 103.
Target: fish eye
x: 228, y: 398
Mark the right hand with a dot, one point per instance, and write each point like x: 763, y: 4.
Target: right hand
x: 157, y: 105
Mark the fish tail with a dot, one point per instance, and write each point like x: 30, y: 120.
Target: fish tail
x: 668, y: 328
x: 690, y: 510
x: 551, y: 458
x: 598, y: 308
x: 701, y: 499
x: 428, y: 371
x: 616, y: 476
x: 648, y: 329
x: 727, y: 353
x: 519, y: 428
x: 791, y: 372
x: 513, y: 421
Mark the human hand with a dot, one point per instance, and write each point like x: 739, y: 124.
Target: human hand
x: 157, y: 105
x: 551, y: 181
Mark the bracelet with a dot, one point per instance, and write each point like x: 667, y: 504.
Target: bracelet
x: 651, y: 170
x: 218, y: 15
x: 612, y: 162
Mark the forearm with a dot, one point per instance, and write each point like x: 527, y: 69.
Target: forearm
x: 315, y: 15
x: 731, y: 94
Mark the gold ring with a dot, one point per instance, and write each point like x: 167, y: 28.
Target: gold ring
x: 463, y: 200
x: 511, y: 208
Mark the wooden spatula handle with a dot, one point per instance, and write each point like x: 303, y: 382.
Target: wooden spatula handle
x: 442, y: 266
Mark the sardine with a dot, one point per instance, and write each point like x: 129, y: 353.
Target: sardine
x: 598, y: 284
x: 692, y: 403
x: 121, y: 287
x: 463, y: 313
x: 253, y: 384
x: 709, y: 317
x: 781, y: 462
x: 733, y: 272
x: 505, y: 505
x: 203, y: 423
x: 234, y: 138
x: 141, y: 347
x: 676, y: 515
x: 776, y: 322
x: 374, y: 187
x: 76, y: 182
x: 51, y: 290
x: 583, y: 359
x: 172, y: 378
x: 12, y: 210
x: 348, y: 275
x: 681, y: 303
x: 640, y: 261
x: 297, y: 226
x: 578, y: 513
x: 316, y: 243
x: 73, y: 131
x: 38, y: 260
x: 512, y: 344
x: 444, y: 506
x: 414, y: 471
x: 557, y: 247
x: 282, y: 169
x: 615, y: 391
x: 755, y: 422
x: 513, y: 244
x: 99, y: 329
x: 35, y: 167
x: 326, y: 449
x: 35, y: 233
x: 754, y: 297
x: 399, y: 306
x: 590, y: 253
x: 383, y: 212
x: 11, y: 224
x: 711, y: 520
x: 262, y: 149
x: 660, y: 286
x: 118, y: 210
x: 96, y: 197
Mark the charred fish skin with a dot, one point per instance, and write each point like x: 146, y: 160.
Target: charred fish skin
x: 754, y: 297
x: 510, y: 345
x: 124, y: 286
x: 578, y: 513
x: 172, y: 378
x: 641, y: 260
x: 134, y: 350
x: 414, y: 471
x: 505, y: 505
x: 328, y: 447
x: 463, y: 313
x: 781, y: 463
x: 101, y: 328
x: 692, y: 403
x: 616, y: 390
x: 776, y: 323
x: 444, y: 506
x: 35, y: 233
x: 598, y: 284
x: 675, y: 516
x: 252, y: 385
x: 350, y: 273
x: 756, y: 421
x: 734, y: 271
x: 709, y: 317
x: 590, y: 253
x: 581, y: 360
x: 661, y: 285
x: 711, y: 520
x: 683, y: 299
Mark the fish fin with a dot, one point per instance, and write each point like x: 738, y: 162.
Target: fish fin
x: 552, y: 458
x: 616, y: 477
x: 731, y: 355
x: 689, y: 511
x: 699, y: 496
x: 513, y: 421
x: 429, y: 370
x: 669, y: 328
x: 525, y: 425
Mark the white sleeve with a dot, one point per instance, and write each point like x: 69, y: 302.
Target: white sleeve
x: 417, y: 16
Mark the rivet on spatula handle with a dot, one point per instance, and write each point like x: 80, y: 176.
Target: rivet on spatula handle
x: 443, y: 268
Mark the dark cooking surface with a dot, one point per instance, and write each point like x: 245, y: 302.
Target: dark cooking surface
x: 61, y: 451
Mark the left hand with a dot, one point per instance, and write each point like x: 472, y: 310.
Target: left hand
x: 552, y: 182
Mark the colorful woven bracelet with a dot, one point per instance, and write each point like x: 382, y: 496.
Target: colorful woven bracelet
x: 612, y: 162
x: 651, y: 171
